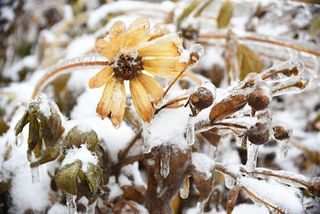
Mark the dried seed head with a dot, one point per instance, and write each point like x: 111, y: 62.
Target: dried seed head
x: 291, y: 71
x: 260, y: 98
x: 127, y: 66
x: 190, y: 33
x: 280, y: 133
x: 301, y: 84
x: 259, y: 133
x: 201, y: 98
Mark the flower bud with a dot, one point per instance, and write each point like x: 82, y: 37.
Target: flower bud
x: 280, y: 133
x: 260, y: 98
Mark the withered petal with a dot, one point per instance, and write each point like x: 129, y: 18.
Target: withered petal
x: 101, y: 77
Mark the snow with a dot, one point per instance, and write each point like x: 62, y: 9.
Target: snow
x: 82, y: 154
x: 80, y: 46
x: 203, y: 163
x: 274, y: 194
x: 7, y: 13
x: 58, y: 209
x: 168, y: 127
x: 250, y: 209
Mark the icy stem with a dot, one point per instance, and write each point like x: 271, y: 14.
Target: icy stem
x: 190, y: 135
x: 229, y: 181
x: 91, y: 208
x: 35, y: 175
x: 71, y: 204
x: 165, y: 161
x: 283, y: 150
x: 252, y: 155
x: 146, y: 137
x: 184, y: 190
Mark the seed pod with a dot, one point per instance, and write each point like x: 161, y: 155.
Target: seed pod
x: 280, y: 133
x: 79, y: 135
x: 201, y: 98
x: 260, y: 98
x: 259, y: 133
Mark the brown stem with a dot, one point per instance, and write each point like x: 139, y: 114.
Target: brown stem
x: 47, y: 76
x: 229, y: 125
x: 123, y: 153
x: 173, y: 82
x: 264, y: 40
x: 171, y: 102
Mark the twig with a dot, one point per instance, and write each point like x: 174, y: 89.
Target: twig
x: 172, y: 101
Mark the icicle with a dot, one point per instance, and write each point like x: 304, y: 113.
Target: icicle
x: 214, y: 152
x: 35, y: 175
x: 229, y: 181
x: 19, y: 139
x: 165, y: 161
x: 91, y: 208
x: 252, y: 155
x: 146, y: 138
x: 184, y: 190
x: 71, y: 204
x: 283, y: 150
x: 190, y: 135
x: 200, y: 206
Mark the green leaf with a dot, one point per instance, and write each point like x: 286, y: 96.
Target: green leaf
x: 187, y: 11
x: 225, y: 14
x: 248, y: 61
x: 66, y: 178
x: 201, y: 9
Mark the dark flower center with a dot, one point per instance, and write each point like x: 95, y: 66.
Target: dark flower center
x: 127, y: 66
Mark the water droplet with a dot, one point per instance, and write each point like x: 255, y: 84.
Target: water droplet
x: 164, y: 161
x: 190, y: 135
x: 184, y: 190
x: 71, y: 204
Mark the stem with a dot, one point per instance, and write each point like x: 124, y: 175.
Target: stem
x: 173, y: 101
x: 123, y: 153
x: 47, y: 76
x: 264, y: 40
x: 173, y: 82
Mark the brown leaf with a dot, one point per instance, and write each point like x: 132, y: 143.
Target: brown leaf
x: 211, y: 137
x: 228, y: 106
x: 133, y: 194
x: 248, y: 61
x: 232, y: 198
x: 225, y: 14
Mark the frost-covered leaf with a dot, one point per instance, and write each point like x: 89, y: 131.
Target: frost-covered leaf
x: 187, y: 11
x: 227, y: 106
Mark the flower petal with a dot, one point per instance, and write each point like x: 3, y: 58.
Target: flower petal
x: 164, y: 67
x: 105, y: 103
x: 142, y: 22
x: 112, y: 102
x: 118, y: 103
x: 101, y: 77
x: 152, y: 87
x: 141, y: 100
x: 110, y: 48
x: 164, y: 46
x: 137, y: 32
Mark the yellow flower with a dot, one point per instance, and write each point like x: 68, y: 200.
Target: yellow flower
x: 135, y: 54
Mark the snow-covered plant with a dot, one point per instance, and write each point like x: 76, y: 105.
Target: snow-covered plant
x: 203, y: 110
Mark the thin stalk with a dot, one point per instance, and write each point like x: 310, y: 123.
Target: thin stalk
x: 47, y: 76
x: 264, y: 40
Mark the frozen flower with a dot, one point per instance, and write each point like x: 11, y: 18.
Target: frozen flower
x: 135, y: 54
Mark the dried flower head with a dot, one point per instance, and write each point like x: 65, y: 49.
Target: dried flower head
x: 134, y: 53
x: 280, y: 133
x: 260, y: 98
